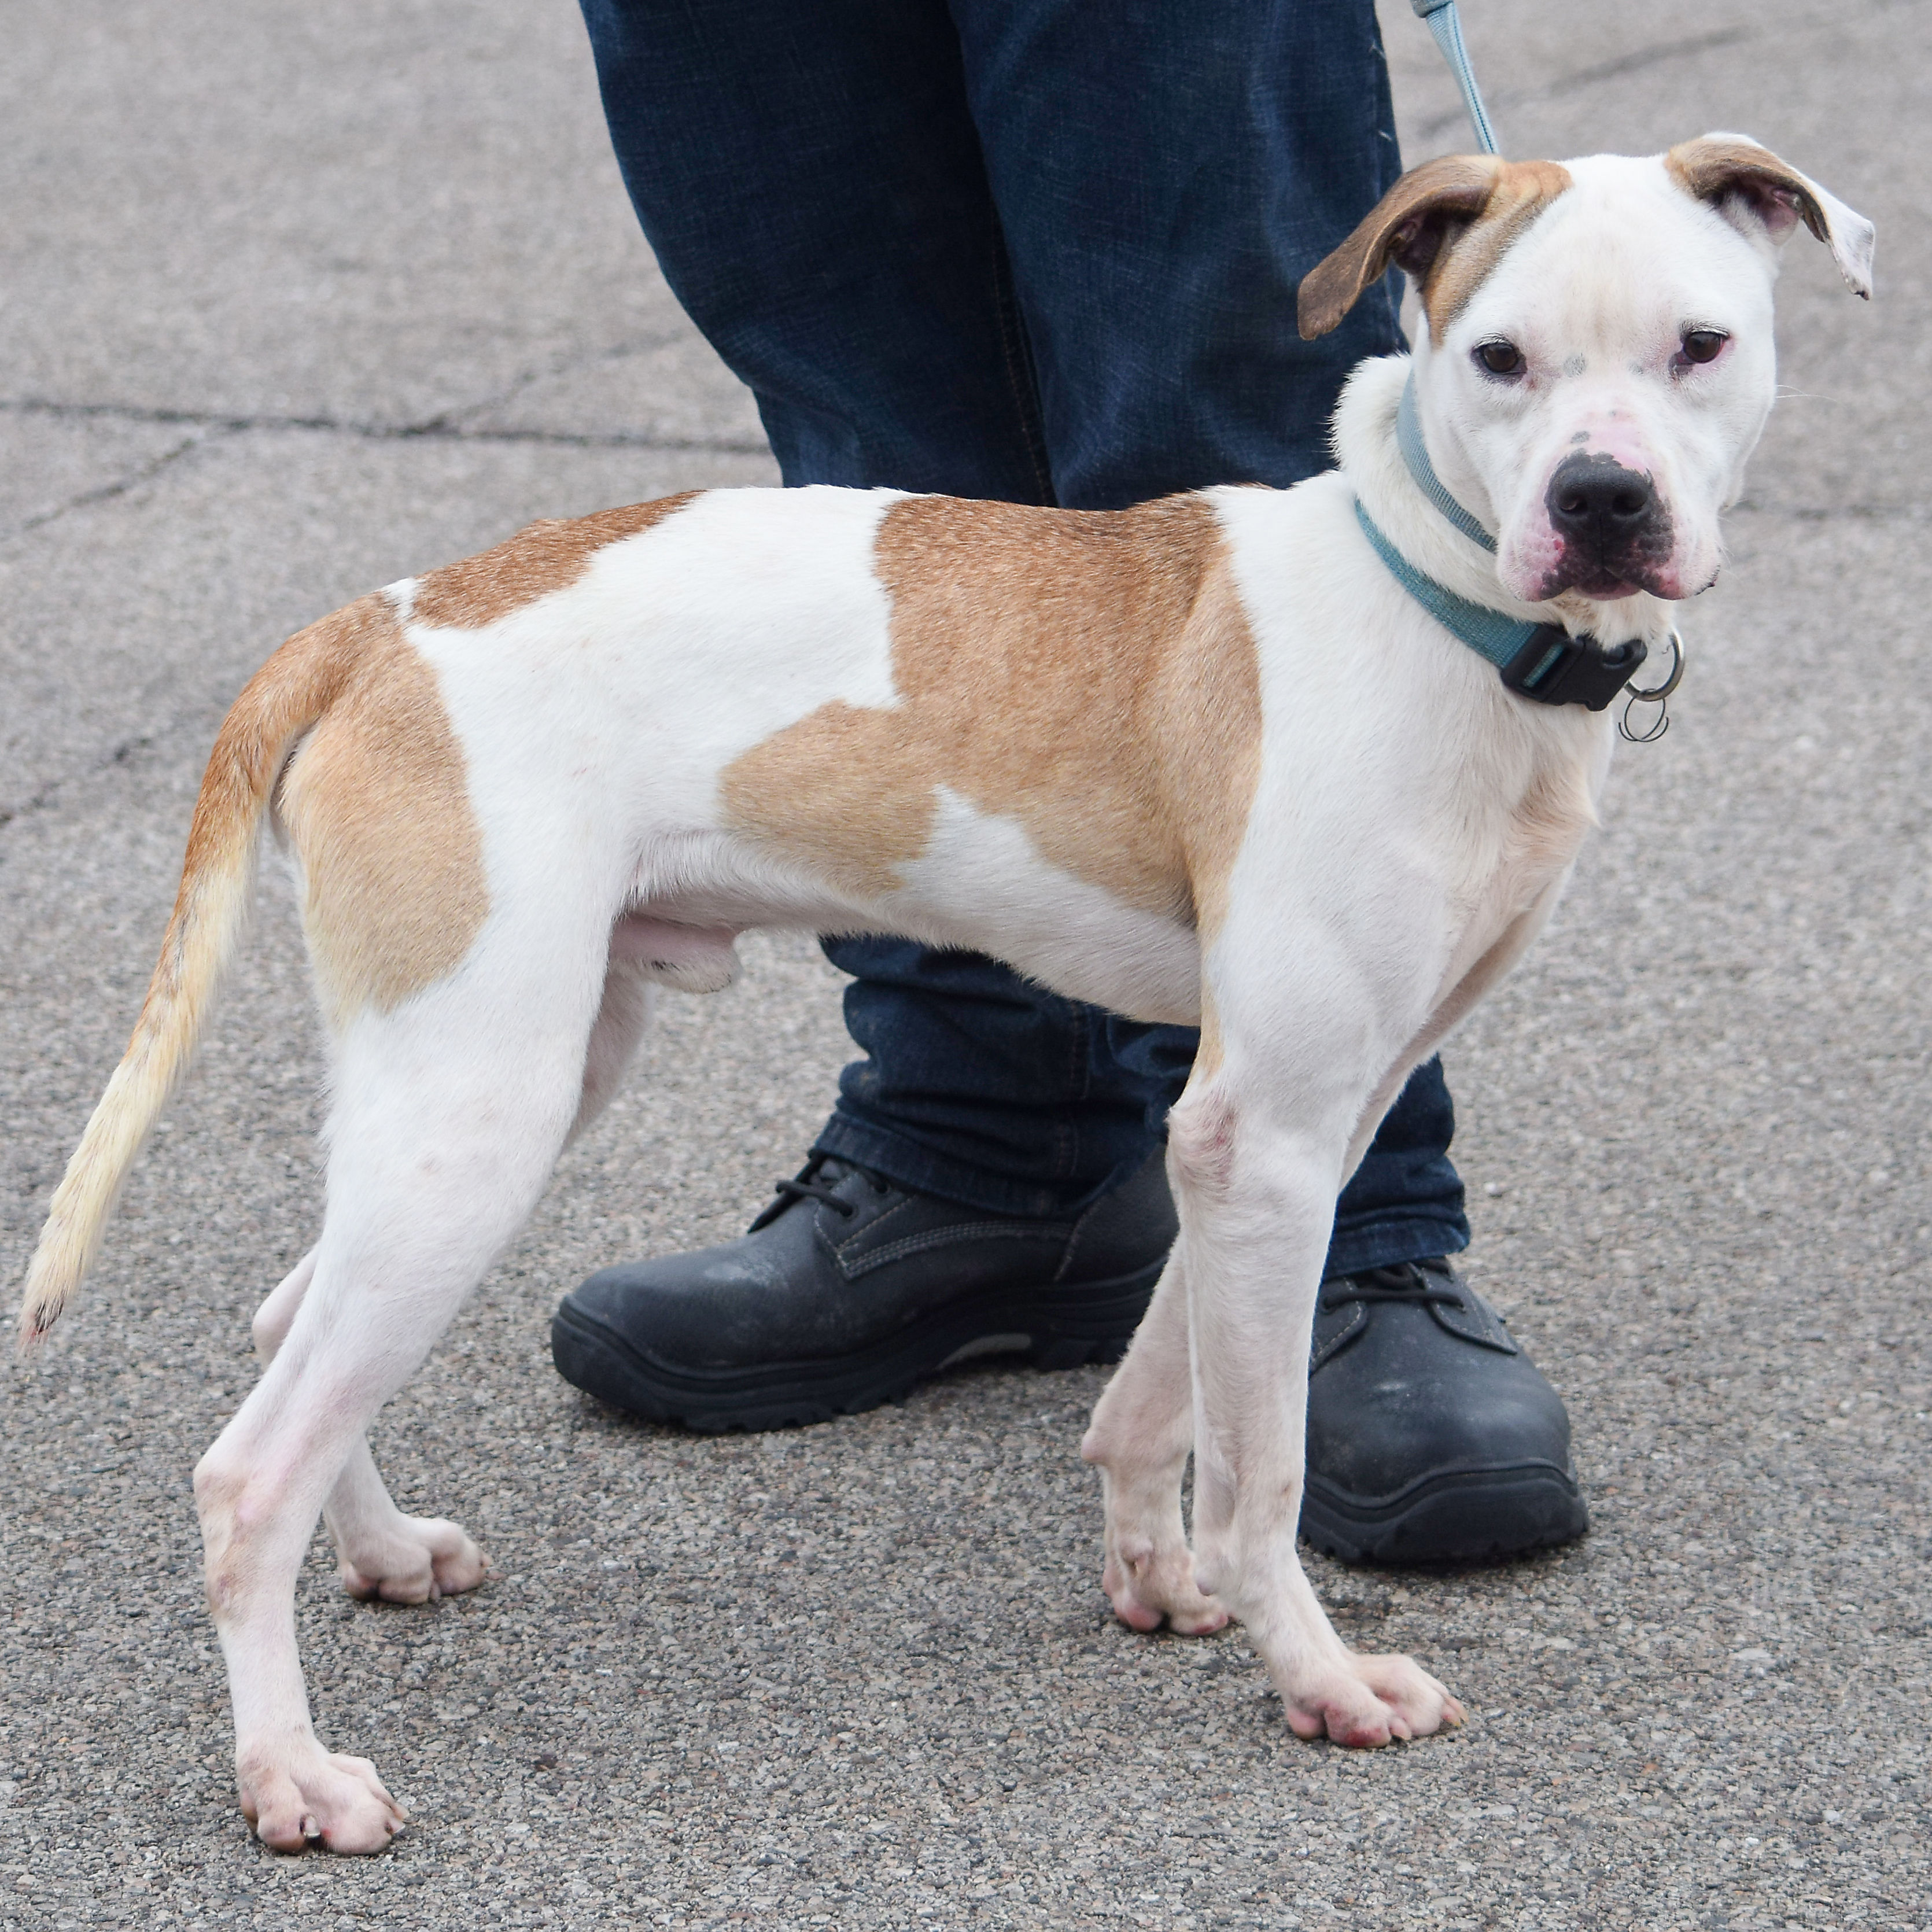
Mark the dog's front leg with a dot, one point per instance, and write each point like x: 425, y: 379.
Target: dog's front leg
x: 1256, y: 1192
x: 1141, y: 1432
x: 381, y: 1551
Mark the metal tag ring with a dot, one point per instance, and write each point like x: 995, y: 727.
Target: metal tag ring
x: 1657, y: 693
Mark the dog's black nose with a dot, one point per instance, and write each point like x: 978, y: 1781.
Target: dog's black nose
x: 1596, y: 502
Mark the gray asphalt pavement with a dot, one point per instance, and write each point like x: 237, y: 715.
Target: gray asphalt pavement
x: 297, y: 298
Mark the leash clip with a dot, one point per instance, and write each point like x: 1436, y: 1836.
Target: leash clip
x: 1656, y: 694
x: 1553, y: 667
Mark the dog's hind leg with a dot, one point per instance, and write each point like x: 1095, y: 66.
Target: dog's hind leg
x: 412, y: 1559
x: 383, y: 1552
x: 439, y: 1151
x: 1142, y: 1430
x: 622, y: 1015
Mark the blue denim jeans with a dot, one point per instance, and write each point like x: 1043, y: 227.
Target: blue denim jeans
x: 1045, y: 250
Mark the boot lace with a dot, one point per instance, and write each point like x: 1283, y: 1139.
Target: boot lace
x: 806, y: 1185
x: 1404, y: 1283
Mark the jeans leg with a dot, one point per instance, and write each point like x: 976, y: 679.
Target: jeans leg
x: 810, y: 178
x: 1405, y: 1202
x: 1166, y: 173
x: 809, y: 175
x: 982, y: 1087
x: 1162, y: 191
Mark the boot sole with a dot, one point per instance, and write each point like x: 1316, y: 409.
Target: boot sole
x: 1463, y: 1517
x: 1046, y: 1327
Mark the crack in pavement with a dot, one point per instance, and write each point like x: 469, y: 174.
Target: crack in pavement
x: 439, y: 428
x: 104, y: 492
x: 562, y: 363
x: 446, y: 427
x: 51, y: 788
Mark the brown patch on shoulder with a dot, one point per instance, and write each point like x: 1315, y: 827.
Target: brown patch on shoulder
x: 1089, y: 674
x: 1520, y: 192
x: 1552, y: 821
x: 546, y: 556
x: 376, y: 803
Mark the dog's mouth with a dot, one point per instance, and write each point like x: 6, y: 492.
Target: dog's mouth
x: 1603, y: 585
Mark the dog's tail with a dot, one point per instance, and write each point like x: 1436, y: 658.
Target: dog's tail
x: 289, y: 694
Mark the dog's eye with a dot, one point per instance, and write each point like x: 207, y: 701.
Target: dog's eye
x: 1500, y: 358
x: 1701, y: 345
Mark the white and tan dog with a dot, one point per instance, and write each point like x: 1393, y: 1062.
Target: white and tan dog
x: 1207, y: 760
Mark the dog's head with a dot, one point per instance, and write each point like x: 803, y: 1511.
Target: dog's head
x: 1598, y: 361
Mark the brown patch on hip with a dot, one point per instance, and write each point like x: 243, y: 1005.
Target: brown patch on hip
x: 376, y: 802
x: 1089, y: 674
x: 543, y: 557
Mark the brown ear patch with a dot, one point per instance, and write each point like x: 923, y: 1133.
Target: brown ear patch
x: 1089, y: 674
x: 1519, y: 193
x: 377, y: 805
x: 1404, y: 229
x: 1446, y: 222
x: 1721, y: 169
x: 545, y: 556
x: 1715, y: 166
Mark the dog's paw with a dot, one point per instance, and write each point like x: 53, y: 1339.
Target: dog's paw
x: 304, y: 1796
x: 1367, y: 1701
x: 1149, y: 1587
x: 412, y: 1559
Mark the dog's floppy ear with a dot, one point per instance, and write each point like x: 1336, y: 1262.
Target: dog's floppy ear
x: 1732, y: 172
x: 1406, y: 227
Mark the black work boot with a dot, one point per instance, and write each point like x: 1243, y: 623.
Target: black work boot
x: 1432, y: 1437
x: 849, y: 1289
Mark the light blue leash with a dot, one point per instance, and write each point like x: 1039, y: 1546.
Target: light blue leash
x: 1447, y: 25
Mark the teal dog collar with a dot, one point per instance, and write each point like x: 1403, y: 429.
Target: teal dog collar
x: 1543, y: 662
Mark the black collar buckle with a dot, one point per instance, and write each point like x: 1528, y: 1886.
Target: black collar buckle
x: 1553, y: 667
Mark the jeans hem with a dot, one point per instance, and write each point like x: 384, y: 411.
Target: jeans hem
x: 1389, y: 1243
x: 908, y: 1165
x: 1381, y: 1243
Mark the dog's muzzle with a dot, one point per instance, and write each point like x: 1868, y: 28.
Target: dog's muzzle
x: 1616, y: 533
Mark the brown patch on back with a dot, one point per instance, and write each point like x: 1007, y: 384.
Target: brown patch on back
x: 376, y: 803
x: 545, y: 556
x: 1089, y: 674
x: 1520, y: 192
